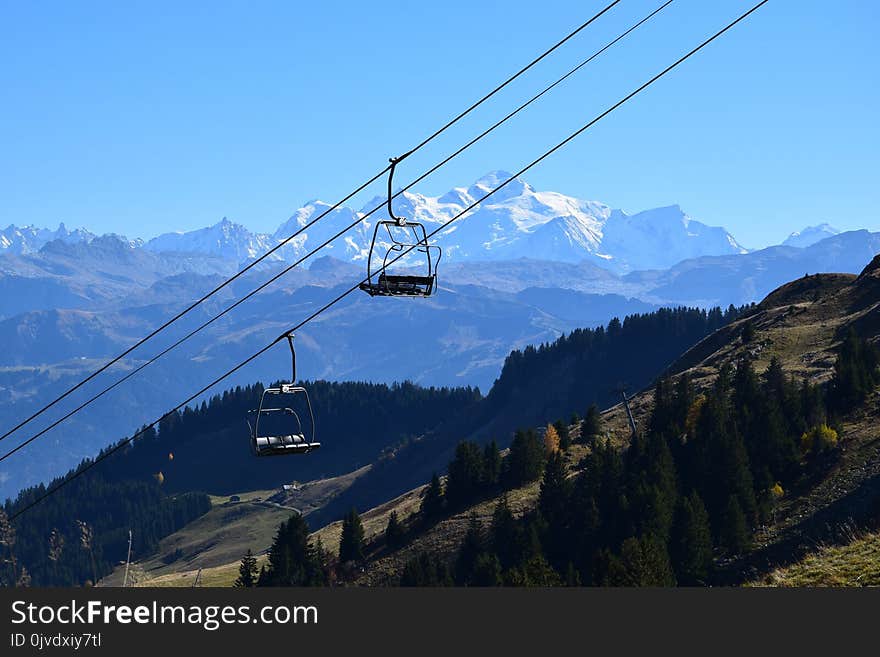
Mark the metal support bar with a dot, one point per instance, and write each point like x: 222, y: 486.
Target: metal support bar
x: 401, y: 221
x: 290, y: 337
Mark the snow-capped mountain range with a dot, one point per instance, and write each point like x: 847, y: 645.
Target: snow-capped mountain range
x: 224, y: 239
x: 30, y: 239
x: 517, y: 221
x: 810, y: 235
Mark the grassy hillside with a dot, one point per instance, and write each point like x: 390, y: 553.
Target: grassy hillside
x: 218, y: 538
x: 856, y: 563
x: 216, y: 541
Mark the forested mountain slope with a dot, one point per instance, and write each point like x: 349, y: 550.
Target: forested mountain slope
x: 763, y: 444
x: 157, y: 484
x: 760, y: 439
x: 208, y: 449
x: 540, y: 385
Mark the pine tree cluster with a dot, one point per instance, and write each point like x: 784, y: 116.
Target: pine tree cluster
x: 294, y: 560
x: 693, y: 486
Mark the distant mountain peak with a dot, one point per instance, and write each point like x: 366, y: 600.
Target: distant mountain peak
x: 30, y: 239
x: 810, y: 235
x: 225, y: 239
x: 493, y: 180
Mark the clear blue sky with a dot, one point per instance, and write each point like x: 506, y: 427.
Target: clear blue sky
x: 144, y: 117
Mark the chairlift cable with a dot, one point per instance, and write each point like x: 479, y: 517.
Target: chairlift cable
x: 295, y: 264
x: 278, y: 246
x: 64, y: 481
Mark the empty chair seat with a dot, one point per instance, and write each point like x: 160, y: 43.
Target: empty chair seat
x: 283, y: 408
x: 416, y: 276
x: 287, y: 444
x: 400, y: 285
x: 399, y: 239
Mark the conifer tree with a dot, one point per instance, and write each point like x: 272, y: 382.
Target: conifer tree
x: 263, y: 577
x: 247, y: 571
x: 812, y: 405
x: 322, y: 561
x: 292, y: 558
x: 415, y: 572
x: 564, y: 434
x: 684, y: 397
x: 735, y: 534
x: 487, y: 570
x: 642, y: 562
x: 554, y: 505
x: 504, y: 534
x: 529, y: 544
x: 351, y: 542
x: 720, y: 464
x: 651, y: 485
x: 777, y: 421
x: 425, y: 570
x: 663, y: 415
x: 592, y: 424
x: 525, y: 460
x: 855, y: 372
x: 692, y: 542
x: 535, y: 571
x: 394, y: 532
x: 465, y: 475
x: 553, y: 499
x: 432, y: 501
x: 491, y: 466
x: 585, y: 526
x: 472, y: 547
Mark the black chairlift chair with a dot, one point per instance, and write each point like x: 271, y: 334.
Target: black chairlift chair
x: 405, y: 237
x: 286, y: 433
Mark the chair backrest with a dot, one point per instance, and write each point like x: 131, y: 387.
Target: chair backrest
x: 289, y: 418
x: 409, y: 238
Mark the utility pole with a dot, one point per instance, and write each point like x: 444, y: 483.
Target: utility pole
x: 198, y: 578
x: 629, y: 415
x: 127, y: 561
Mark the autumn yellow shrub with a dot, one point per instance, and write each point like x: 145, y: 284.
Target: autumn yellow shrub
x: 819, y: 439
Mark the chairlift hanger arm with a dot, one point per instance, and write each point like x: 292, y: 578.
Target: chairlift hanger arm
x: 401, y: 221
x: 290, y: 337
